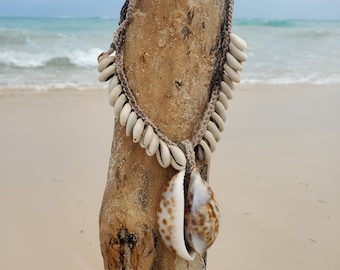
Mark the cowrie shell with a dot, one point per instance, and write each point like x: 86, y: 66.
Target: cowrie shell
x: 233, y: 63
x: 211, y: 140
x: 201, y: 214
x: 223, y: 99
x: 103, y: 56
x: 233, y: 75
x: 132, y: 119
x: 113, y: 83
x: 153, y: 146
x: 163, y: 155
x: 105, y: 63
x: 237, y: 53
x: 147, y: 136
x: 170, y: 217
x: 220, y: 110
x: 114, y: 94
x: 124, y: 114
x: 138, y: 130
x: 238, y: 41
x: 206, y: 150
x: 107, y: 73
x: 227, y: 80
x: 226, y: 90
x: 178, y: 159
x: 199, y: 152
x: 118, y: 106
x: 214, y: 130
x: 218, y: 121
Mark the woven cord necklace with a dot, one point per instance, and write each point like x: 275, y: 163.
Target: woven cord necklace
x: 180, y: 232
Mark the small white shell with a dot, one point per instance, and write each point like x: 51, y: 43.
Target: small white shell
x: 114, y: 94
x: 124, y: 114
x: 199, y: 152
x: 132, y: 119
x: 218, y: 121
x: 211, y: 140
x: 223, y: 99
x: 105, y: 63
x: 147, y: 136
x: 178, y: 159
x: 118, y: 106
x: 239, y: 42
x: 233, y: 63
x: 220, y: 110
x: 227, y: 80
x: 233, y: 75
x: 153, y: 146
x: 201, y: 214
x: 138, y: 130
x: 113, y: 82
x: 170, y: 217
x: 226, y: 90
x: 237, y: 53
x: 214, y: 130
x: 107, y: 73
x: 163, y: 155
x: 206, y: 150
x: 103, y: 56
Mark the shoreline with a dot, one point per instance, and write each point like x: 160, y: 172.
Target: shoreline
x: 275, y: 174
x: 31, y: 89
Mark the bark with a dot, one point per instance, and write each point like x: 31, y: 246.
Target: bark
x: 169, y: 55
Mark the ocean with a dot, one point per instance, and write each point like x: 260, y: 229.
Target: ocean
x: 54, y: 53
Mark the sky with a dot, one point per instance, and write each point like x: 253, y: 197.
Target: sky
x: 244, y: 9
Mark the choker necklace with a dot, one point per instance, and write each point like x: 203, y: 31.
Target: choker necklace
x: 187, y: 225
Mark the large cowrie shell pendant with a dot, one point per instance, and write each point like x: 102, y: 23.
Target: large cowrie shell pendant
x: 191, y: 225
x: 202, y: 215
x: 170, y: 217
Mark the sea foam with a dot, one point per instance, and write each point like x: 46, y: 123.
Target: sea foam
x: 63, y: 51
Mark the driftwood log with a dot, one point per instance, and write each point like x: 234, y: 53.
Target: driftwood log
x: 170, y: 51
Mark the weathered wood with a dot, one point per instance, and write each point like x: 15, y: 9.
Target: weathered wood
x: 170, y: 48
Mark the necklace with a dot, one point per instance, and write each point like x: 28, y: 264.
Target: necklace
x: 187, y: 225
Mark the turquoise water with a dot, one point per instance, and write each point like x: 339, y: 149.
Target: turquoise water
x: 288, y: 51
x: 56, y: 52
x: 52, y: 52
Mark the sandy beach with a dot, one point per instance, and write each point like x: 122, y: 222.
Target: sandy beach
x: 275, y: 173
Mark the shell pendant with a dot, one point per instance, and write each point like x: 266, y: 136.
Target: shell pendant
x: 201, y: 214
x: 188, y: 226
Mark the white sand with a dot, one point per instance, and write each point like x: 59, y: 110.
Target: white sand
x: 276, y: 175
